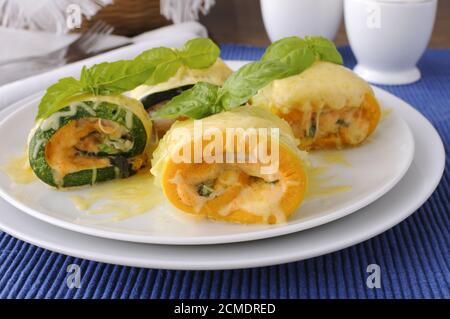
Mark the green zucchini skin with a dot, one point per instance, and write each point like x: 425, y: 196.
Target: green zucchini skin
x: 102, y: 110
x: 152, y: 99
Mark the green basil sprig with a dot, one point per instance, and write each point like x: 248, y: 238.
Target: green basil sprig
x: 195, y: 54
x: 283, y: 58
x: 54, y: 98
x: 197, y: 103
x: 250, y: 78
x: 323, y: 49
x: 206, y: 99
x: 109, y: 78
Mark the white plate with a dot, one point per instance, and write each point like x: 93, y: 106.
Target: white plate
x: 375, y: 168
x: 408, y: 195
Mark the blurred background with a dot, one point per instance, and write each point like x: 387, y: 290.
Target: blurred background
x: 47, y: 30
x: 231, y: 21
x: 240, y: 21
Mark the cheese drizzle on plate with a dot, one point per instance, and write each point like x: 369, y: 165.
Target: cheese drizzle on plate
x: 120, y: 199
x: 18, y: 170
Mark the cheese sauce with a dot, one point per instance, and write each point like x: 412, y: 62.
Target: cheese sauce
x: 319, y: 183
x: 121, y: 199
x: 335, y: 157
x: 385, y: 112
x: 125, y: 198
x: 18, y: 170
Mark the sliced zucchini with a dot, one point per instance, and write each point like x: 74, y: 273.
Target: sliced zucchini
x: 91, y: 140
x: 152, y: 99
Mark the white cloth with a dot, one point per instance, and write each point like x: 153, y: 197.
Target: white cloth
x: 48, y: 15
x: 24, y: 43
x: 27, y: 43
x: 180, y: 11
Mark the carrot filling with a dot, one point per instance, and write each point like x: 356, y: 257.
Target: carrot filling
x: 237, y: 192
x: 86, y: 143
x: 325, y: 127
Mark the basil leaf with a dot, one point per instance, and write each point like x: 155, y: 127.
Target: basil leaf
x: 292, y: 51
x: 249, y: 79
x: 284, y: 58
x: 199, y: 53
x: 244, y: 83
x: 196, y: 54
x: 197, y: 102
x: 165, y: 60
x: 150, y: 67
x: 54, y: 97
x: 324, y: 49
x: 298, y: 60
x: 85, y: 76
x: 206, y: 99
x: 157, y: 56
x: 281, y: 48
x: 164, y: 72
x: 115, y: 77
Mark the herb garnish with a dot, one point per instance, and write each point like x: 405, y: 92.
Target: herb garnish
x: 205, y: 189
x: 283, y: 58
x: 105, y: 148
x: 312, y: 131
x: 341, y: 122
x: 109, y: 78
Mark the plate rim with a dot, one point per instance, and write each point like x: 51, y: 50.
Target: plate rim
x: 208, y: 240
x: 295, y: 255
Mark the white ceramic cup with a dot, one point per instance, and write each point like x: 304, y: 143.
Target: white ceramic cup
x: 283, y: 18
x: 388, y: 37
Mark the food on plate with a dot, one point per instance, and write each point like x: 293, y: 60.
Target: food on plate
x: 155, y: 96
x: 88, y: 131
x: 300, y: 80
x: 228, y: 146
x: 230, y: 190
x: 327, y: 106
x: 90, y: 139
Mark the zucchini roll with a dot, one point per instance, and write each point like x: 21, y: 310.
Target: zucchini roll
x: 153, y: 97
x: 328, y: 106
x: 92, y: 139
x: 238, y: 191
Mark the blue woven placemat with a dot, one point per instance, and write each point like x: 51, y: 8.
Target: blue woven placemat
x: 415, y: 253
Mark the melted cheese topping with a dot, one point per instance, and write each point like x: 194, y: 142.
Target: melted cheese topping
x: 120, y: 199
x: 222, y: 189
x: 322, y: 85
x: 131, y: 107
x: 260, y: 199
x: 242, y: 117
x: 215, y: 74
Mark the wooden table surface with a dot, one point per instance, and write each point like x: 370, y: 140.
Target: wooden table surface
x: 240, y: 21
